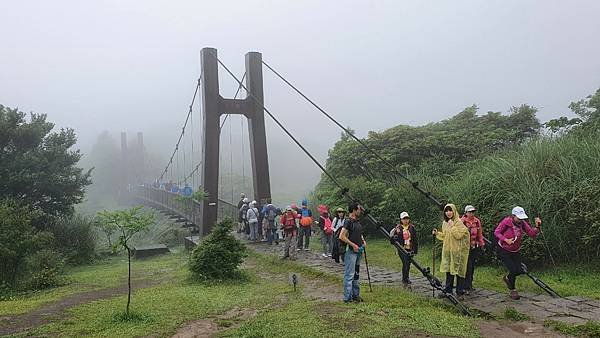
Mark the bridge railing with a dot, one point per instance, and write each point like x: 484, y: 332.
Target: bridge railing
x: 183, y: 207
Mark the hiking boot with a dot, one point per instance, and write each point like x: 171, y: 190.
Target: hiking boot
x: 306, y: 249
x: 406, y: 282
x: 284, y: 257
x: 505, y: 279
x: 357, y: 299
x: 347, y: 301
x: 298, y: 249
x: 514, y: 295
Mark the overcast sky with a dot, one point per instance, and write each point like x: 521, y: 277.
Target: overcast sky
x: 132, y: 65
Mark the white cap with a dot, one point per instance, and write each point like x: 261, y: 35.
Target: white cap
x: 469, y: 208
x: 245, y: 200
x: 404, y: 214
x: 519, y: 212
x: 253, y: 202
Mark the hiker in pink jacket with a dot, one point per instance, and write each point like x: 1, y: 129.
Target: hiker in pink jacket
x: 510, y: 233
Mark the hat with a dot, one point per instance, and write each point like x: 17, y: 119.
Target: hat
x: 288, y: 208
x: 242, y: 195
x: 253, y: 203
x: 338, y: 210
x: 469, y: 208
x: 519, y: 212
x: 293, y: 206
x: 404, y: 214
x: 305, y: 202
x: 245, y: 200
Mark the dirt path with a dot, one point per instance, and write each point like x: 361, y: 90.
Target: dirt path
x: 57, y: 310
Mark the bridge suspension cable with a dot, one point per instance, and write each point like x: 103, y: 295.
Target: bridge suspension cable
x: 434, y: 281
x: 395, y: 170
x: 175, y: 151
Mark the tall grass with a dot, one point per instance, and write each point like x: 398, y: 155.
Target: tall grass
x: 557, y: 179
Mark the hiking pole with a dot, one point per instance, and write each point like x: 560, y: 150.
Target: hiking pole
x: 433, y: 264
x: 367, y: 265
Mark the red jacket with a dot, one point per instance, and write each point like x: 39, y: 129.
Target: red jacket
x: 475, y: 230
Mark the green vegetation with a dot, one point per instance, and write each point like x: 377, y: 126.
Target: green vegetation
x: 491, y: 161
x: 275, y: 309
x: 511, y: 313
x: 218, y: 256
x: 566, y: 279
x: 127, y: 223
x: 108, y: 273
x: 591, y: 329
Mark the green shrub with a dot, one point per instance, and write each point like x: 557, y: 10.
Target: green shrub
x: 75, y: 239
x: 46, y: 267
x: 218, y: 256
x: 16, y: 242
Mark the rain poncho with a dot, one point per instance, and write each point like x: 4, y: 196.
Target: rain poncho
x: 455, y: 250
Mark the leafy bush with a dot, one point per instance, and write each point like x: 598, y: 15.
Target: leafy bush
x: 16, y: 241
x: 218, y: 256
x: 75, y: 239
x: 46, y: 267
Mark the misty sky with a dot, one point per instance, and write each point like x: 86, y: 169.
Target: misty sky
x: 132, y: 65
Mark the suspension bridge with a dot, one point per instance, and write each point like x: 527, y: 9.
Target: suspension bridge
x: 198, y: 166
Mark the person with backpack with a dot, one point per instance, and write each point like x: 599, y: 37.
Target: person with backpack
x: 252, y: 217
x: 339, y: 248
x: 244, y: 226
x: 405, y: 234
x: 306, y: 222
x: 351, y: 234
x: 455, y: 250
x: 269, y: 215
x: 476, y: 234
x: 326, y: 230
x: 290, y: 232
x: 509, y: 233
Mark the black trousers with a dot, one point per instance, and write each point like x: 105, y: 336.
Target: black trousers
x: 474, y: 255
x: 460, y: 284
x: 512, y: 262
x: 405, y: 266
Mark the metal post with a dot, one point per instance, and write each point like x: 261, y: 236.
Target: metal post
x: 210, y: 143
x: 256, y: 129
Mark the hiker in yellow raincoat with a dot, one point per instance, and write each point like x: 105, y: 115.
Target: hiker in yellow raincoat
x: 455, y: 250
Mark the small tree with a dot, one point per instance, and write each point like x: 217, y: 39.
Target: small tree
x: 126, y: 223
x: 218, y: 256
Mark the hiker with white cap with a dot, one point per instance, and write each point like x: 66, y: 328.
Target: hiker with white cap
x: 252, y: 217
x: 473, y: 224
x: 405, y: 234
x: 510, y: 233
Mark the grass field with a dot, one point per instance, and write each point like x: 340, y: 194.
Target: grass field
x: 277, y: 310
x: 581, y: 280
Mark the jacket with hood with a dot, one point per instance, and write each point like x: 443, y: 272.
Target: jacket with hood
x: 455, y: 250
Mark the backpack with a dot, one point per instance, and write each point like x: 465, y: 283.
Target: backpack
x: 271, y: 215
x: 244, y: 211
x: 328, y: 226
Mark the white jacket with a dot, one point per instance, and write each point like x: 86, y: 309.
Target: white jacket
x: 337, y: 223
x: 252, y: 215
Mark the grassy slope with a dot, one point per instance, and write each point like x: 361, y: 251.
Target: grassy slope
x: 164, y: 308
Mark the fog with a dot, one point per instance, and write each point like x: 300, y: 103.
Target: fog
x: 132, y: 65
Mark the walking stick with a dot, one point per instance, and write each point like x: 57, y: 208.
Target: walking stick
x: 367, y: 265
x: 433, y: 264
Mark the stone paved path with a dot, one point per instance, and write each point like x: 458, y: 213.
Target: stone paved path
x: 574, y: 310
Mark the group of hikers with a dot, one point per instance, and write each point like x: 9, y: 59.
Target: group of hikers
x: 342, y: 240
x: 173, y: 187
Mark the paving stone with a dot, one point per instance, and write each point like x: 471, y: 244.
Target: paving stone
x: 569, y: 310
